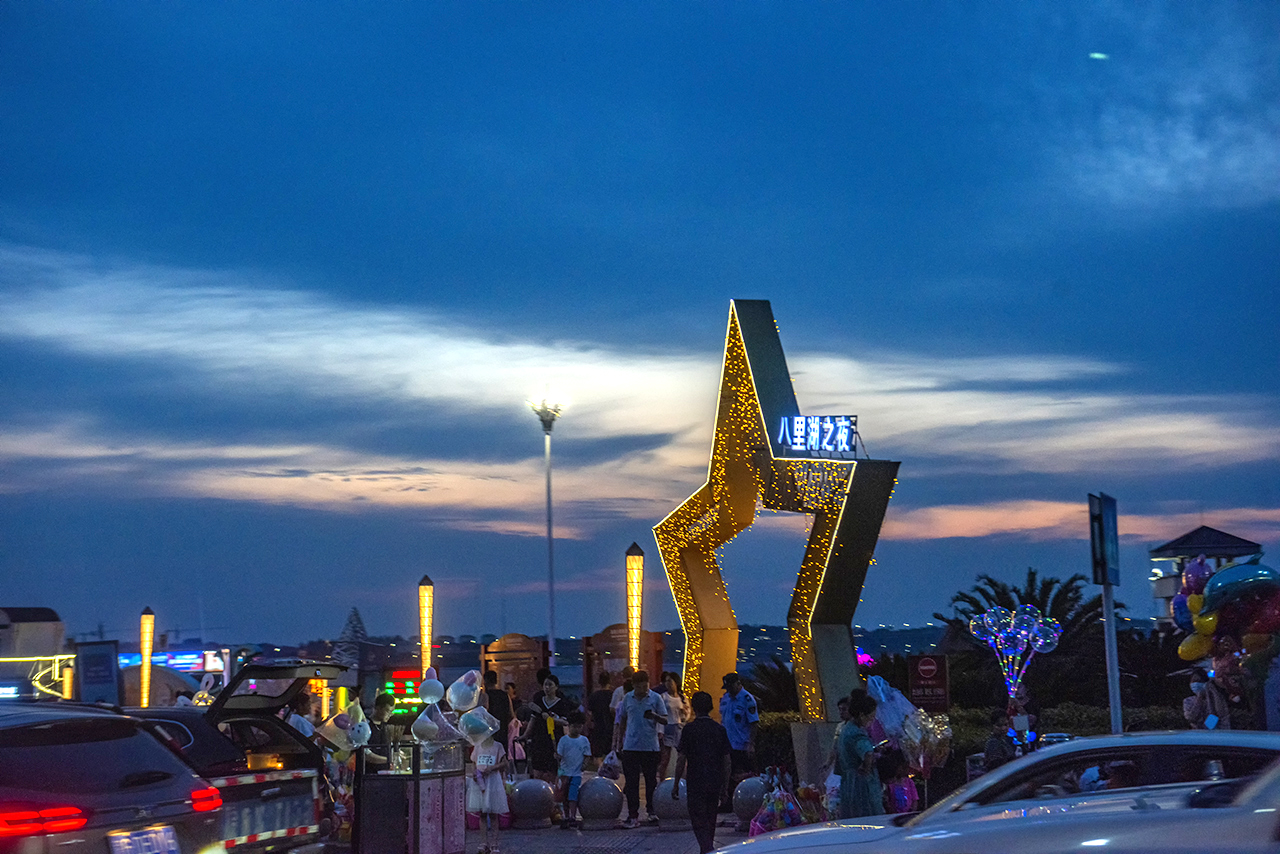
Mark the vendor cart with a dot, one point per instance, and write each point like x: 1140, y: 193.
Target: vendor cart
x: 417, y: 806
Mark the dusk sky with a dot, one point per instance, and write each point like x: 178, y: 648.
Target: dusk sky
x: 276, y: 280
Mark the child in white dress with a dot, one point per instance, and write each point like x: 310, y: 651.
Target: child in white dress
x: 486, y: 791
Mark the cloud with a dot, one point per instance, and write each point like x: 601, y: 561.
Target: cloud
x: 1063, y: 520
x: 225, y: 332
x: 1191, y: 114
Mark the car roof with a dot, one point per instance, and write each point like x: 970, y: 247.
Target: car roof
x: 1101, y: 743
x: 27, y: 713
x: 1182, y: 738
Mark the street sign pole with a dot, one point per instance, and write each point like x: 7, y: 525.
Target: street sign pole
x: 1105, y: 546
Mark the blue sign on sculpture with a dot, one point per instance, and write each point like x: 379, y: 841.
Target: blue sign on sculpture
x: 834, y: 436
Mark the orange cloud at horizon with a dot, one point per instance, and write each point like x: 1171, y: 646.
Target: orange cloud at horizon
x: 1069, y: 520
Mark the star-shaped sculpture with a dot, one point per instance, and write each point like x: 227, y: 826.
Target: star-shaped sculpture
x: 750, y: 465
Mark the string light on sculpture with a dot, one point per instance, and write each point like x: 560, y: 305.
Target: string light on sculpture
x: 426, y: 608
x: 749, y: 473
x: 147, y: 640
x: 635, y: 602
x: 1013, y: 634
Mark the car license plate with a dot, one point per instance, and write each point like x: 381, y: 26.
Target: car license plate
x: 153, y: 840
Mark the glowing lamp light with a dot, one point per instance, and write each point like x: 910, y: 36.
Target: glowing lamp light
x: 147, y: 642
x: 426, y: 605
x: 635, y: 602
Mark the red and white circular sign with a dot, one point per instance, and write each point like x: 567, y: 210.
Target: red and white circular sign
x: 927, y: 667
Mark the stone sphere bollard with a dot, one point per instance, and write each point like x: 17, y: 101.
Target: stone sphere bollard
x: 747, y: 799
x: 599, y: 803
x: 672, y: 814
x: 532, y: 802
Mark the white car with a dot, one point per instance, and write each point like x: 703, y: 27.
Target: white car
x: 1039, y: 797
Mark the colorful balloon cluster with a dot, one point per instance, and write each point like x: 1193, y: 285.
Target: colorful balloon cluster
x: 1013, y: 634
x: 1236, y: 608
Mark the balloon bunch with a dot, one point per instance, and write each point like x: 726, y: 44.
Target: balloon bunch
x: 1013, y: 634
x: 473, y: 722
x: 1236, y: 608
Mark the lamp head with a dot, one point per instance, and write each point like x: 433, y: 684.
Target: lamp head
x: 547, y: 413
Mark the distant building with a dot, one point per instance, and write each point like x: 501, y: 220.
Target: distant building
x: 31, y: 631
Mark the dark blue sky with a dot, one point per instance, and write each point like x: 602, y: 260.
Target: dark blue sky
x: 275, y: 280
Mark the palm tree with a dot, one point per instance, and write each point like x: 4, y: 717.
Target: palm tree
x: 1062, y: 600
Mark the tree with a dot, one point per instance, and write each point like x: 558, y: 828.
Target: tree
x: 1062, y: 600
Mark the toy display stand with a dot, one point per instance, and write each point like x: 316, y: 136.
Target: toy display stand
x: 413, y: 807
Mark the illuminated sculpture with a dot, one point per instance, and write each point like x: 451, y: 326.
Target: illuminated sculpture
x: 146, y: 643
x: 635, y: 602
x: 426, y: 612
x: 765, y: 451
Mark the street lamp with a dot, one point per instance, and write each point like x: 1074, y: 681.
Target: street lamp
x: 147, y: 639
x: 635, y: 602
x: 548, y: 413
x: 426, y: 604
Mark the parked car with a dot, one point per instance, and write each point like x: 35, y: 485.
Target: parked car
x: 1160, y: 772
x: 1247, y: 823
x: 83, y: 779
x: 268, y: 774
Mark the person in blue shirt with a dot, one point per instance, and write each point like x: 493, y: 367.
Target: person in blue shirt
x: 637, y: 734
x: 740, y: 717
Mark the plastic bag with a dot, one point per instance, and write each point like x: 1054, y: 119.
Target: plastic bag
x: 610, y: 766
x: 892, y: 707
x: 832, y: 793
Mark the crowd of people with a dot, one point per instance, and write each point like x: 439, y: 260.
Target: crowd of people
x: 649, y: 726
x: 654, y: 731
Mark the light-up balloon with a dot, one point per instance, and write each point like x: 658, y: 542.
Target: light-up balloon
x: 477, y: 725
x: 464, y: 693
x: 430, y: 691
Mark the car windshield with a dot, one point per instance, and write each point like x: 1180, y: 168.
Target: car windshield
x: 263, y: 687
x: 1104, y: 770
x: 85, y: 756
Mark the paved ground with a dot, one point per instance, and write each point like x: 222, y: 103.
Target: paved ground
x: 645, y: 840
x: 642, y: 840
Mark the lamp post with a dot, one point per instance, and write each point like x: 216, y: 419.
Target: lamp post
x: 146, y: 641
x: 635, y: 602
x: 426, y: 605
x: 548, y: 413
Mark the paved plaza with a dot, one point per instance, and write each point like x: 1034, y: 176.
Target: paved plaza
x: 644, y: 840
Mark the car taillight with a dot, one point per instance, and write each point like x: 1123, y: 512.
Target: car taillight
x: 33, y: 820
x: 205, y: 800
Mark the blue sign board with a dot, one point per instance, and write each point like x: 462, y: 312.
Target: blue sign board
x: 97, y: 672
x: 832, y: 436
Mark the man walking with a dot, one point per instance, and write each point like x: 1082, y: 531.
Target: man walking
x: 638, y: 717
x: 704, y: 750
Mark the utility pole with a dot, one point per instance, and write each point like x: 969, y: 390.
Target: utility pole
x: 1104, y: 544
x: 548, y: 413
